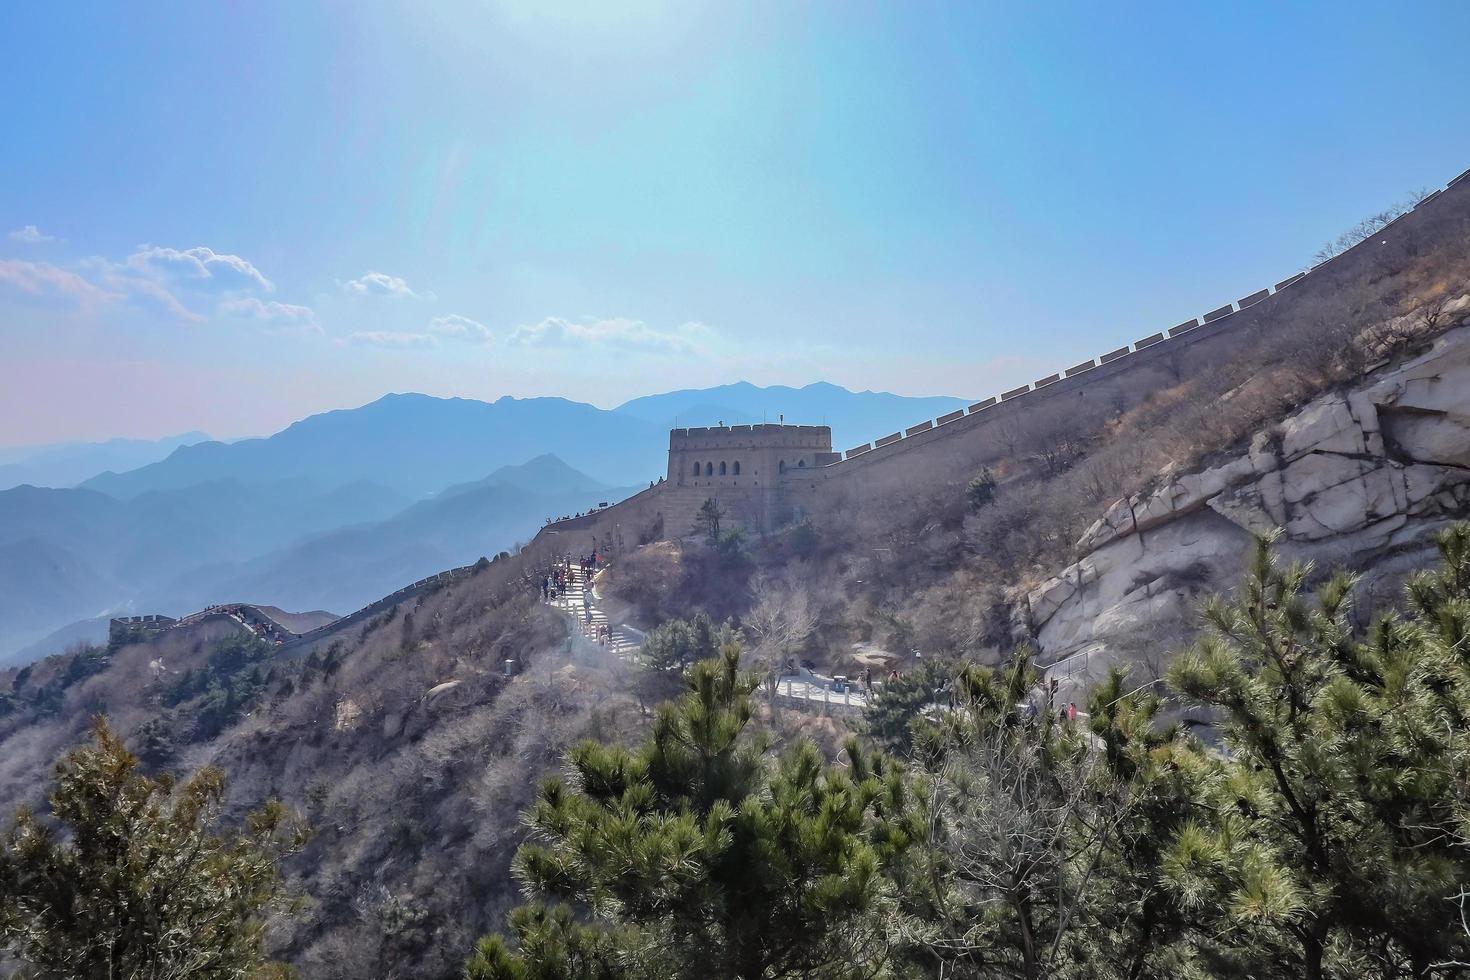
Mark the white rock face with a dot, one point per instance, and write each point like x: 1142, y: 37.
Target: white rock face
x: 1362, y: 479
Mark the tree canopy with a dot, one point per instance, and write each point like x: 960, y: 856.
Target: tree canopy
x: 132, y: 879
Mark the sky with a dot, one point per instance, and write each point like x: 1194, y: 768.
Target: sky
x: 229, y: 216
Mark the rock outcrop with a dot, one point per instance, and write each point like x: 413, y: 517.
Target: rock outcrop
x: 1362, y: 478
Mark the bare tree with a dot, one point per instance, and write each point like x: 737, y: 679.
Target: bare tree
x: 780, y: 624
x: 1019, y: 832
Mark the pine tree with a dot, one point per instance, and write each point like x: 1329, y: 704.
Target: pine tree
x: 892, y: 710
x: 698, y: 855
x: 139, y: 884
x: 1331, y: 837
x: 1133, y: 925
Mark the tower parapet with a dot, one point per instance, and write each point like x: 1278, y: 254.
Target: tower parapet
x: 759, y: 474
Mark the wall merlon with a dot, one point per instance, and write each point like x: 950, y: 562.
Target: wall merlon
x: 1225, y: 310
x: 739, y: 428
x: 1183, y: 328
x: 879, y: 443
x: 1079, y: 368
x: 1113, y: 355
x: 1289, y: 280
x: 1427, y: 198
x: 1148, y: 341
x: 921, y: 427
x: 1253, y: 298
x: 1046, y: 380
x: 982, y: 405
x: 1014, y: 392
x: 859, y: 449
x: 1459, y: 178
x: 950, y: 417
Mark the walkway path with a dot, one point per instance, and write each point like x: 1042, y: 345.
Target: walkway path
x: 624, y: 641
x: 809, y: 691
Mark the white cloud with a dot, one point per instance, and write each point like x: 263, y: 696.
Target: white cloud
x: 382, y: 284
x: 393, y: 339
x: 31, y: 235
x: 618, y: 332
x: 37, y: 278
x: 282, y: 314
x: 197, y: 265
x: 154, y: 277
x: 456, y: 327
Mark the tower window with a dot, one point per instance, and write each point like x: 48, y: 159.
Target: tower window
x: 802, y: 464
x: 696, y: 469
x: 782, y: 467
x: 709, y: 469
x: 737, y: 467
x: 722, y: 467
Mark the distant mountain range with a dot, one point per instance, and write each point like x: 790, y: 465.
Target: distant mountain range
x: 66, y: 464
x: 343, y: 507
x: 855, y: 416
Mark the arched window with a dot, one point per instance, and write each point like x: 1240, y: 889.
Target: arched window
x: 782, y: 467
x: 722, y: 467
x: 802, y: 464
x: 696, y: 469
x: 737, y: 467
x: 709, y: 469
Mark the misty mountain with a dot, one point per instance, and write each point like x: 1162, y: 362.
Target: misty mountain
x: 346, y: 569
x: 72, y: 554
x: 855, y: 416
x: 535, y: 476
x: 66, y: 464
x: 416, y: 445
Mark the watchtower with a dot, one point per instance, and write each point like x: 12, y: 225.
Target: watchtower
x: 761, y: 475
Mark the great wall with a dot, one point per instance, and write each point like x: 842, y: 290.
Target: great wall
x: 764, y: 476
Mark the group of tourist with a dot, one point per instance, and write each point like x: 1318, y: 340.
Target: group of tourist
x: 564, y: 572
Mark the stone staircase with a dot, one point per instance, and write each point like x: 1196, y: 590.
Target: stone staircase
x: 583, y: 606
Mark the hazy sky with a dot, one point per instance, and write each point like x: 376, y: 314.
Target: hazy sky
x: 227, y: 216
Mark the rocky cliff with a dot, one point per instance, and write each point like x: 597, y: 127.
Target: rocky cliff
x: 1361, y: 477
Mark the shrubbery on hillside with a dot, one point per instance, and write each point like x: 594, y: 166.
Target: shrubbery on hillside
x: 1333, y: 839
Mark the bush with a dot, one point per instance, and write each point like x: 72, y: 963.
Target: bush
x: 140, y: 883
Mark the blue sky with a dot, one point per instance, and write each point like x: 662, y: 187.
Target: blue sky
x: 227, y: 216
